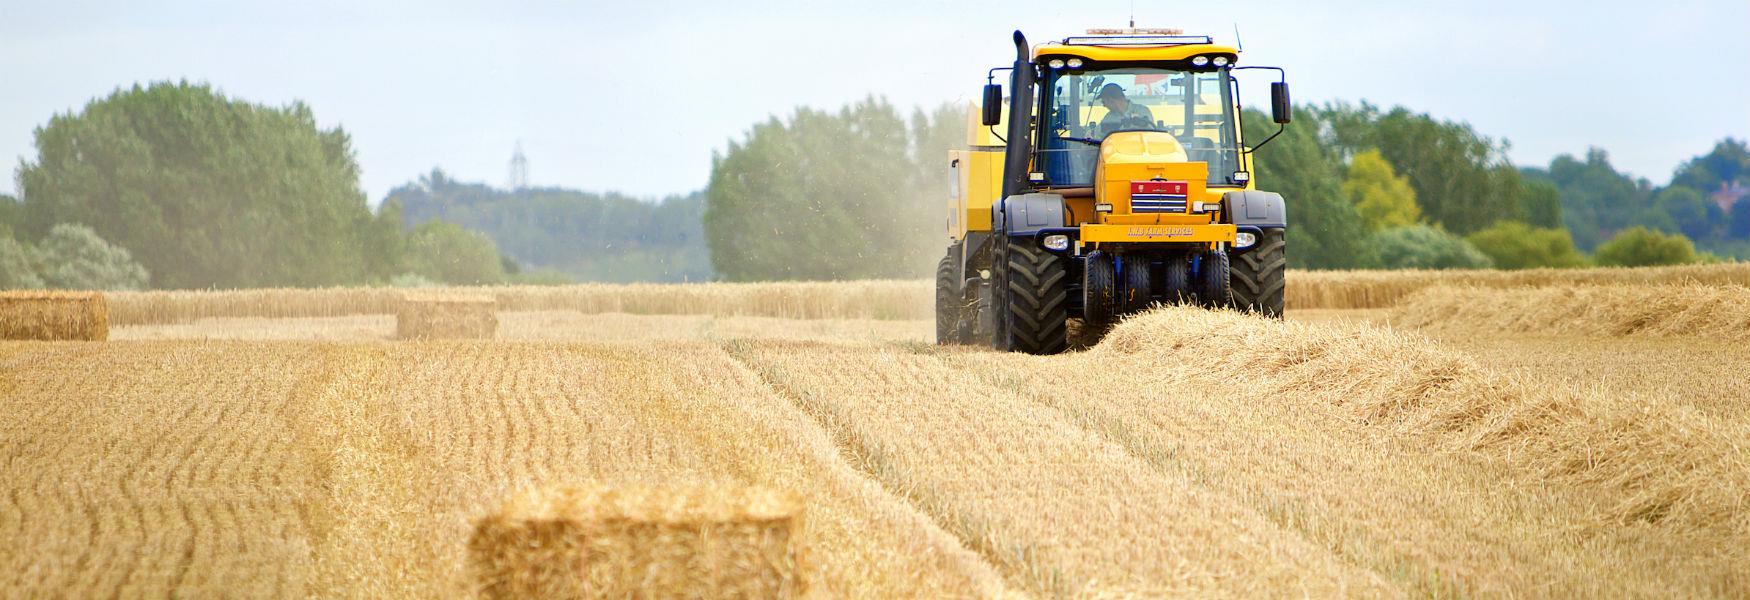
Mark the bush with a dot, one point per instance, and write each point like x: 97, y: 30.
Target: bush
x: 448, y: 253
x: 73, y: 257
x: 1516, y: 245
x: 1642, y: 247
x: 1424, y: 247
x: 16, y: 272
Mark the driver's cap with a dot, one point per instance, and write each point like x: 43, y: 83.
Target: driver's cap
x: 1111, y: 90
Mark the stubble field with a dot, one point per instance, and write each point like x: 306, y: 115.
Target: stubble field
x: 1543, y: 434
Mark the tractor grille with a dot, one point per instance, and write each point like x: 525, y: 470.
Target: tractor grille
x: 1157, y: 203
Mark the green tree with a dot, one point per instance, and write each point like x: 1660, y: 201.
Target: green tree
x: 1642, y: 247
x: 1382, y: 198
x: 203, y: 189
x: 384, y: 246
x: 16, y: 270
x: 1516, y: 245
x: 73, y: 257
x: 11, y: 216
x: 1543, y: 204
x: 1426, y: 247
x: 1462, y: 179
x: 1728, y: 161
x: 446, y: 252
x: 1596, y: 198
x: 822, y: 196
x: 1324, y: 231
x: 1738, y: 223
x: 1692, y: 213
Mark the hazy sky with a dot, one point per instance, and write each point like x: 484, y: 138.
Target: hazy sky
x: 611, y: 96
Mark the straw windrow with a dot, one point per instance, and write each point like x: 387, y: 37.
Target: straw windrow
x: 1712, y: 311
x: 1384, y: 289
x: 1642, y: 461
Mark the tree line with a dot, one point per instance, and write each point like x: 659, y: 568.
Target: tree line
x: 568, y: 234
x: 174, y: 185
x: 1373, y: 188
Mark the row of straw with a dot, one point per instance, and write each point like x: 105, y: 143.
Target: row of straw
x: 876, y: 299
x: 1720, y: 312
x: 1384, y: 289
x: 872, y: 299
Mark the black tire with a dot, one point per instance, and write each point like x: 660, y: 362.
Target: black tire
x: 1100, y: 288
x: 1176, y: 279
x: 1138, y: 290
x: 1259, y: 276
x: 950, y: 305
x: 1214, y: 281
x: 1033, y: 300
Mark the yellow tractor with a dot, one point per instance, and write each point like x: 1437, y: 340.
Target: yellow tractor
x: 1119, y: 180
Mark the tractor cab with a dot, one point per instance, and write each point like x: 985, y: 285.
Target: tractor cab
x: 1094, y: 87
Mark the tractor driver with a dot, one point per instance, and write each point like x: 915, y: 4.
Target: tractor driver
x: 1121, y: 113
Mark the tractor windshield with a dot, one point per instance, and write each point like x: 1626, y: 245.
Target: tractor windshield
x: 1086, y: 106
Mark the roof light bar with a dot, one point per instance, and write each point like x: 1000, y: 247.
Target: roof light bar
x: 1137, y: 40
x: 1136, y: 31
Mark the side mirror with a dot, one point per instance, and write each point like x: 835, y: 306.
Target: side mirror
x: 1280, y: 110
x: 993, y: 104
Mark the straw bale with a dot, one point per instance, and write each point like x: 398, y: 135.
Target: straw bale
x: 432, y: 316
x: 45, y: 315
x: 640, y: 542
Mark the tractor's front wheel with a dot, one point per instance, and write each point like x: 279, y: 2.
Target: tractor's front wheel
x: 1034, y: 300
x: 1259, y: 276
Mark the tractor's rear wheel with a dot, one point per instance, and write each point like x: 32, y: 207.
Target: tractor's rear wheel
x: 1100, y: 289
x: 1259, y: 276
x: 1214, y: 280
x: 951, y: 321
x: 1138, y: 290
x: 1034, y: 299
x: 1176, y: 275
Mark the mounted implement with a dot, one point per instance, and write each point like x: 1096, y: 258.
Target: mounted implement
x: 1118, y: 180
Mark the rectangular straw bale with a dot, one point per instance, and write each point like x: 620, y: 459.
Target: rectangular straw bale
x: 46, y: 315
x: 430, y: 316
x: 640, y: 542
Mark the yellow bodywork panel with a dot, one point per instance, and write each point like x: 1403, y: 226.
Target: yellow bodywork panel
x: 1135, y: 52
x: 974, y: 183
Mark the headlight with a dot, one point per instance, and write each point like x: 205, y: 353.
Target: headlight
x: 1074, y: 63
x: 1245, y: 239
x: 1199, y: 61
x: 1056, y: 242
x: 1221, y: 61
x: 1056, y: 63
